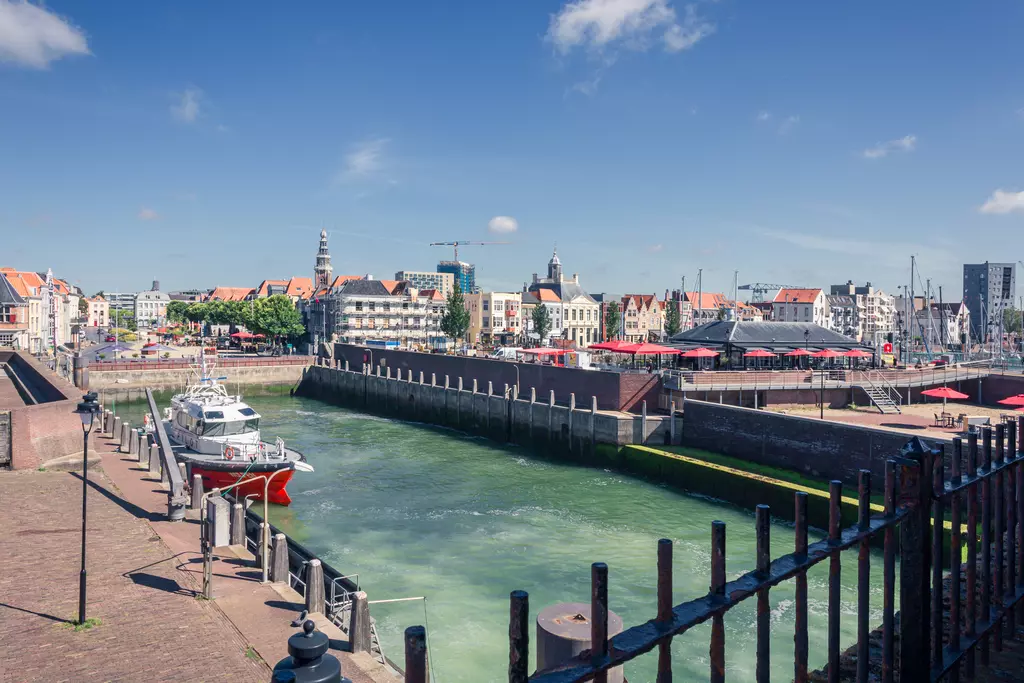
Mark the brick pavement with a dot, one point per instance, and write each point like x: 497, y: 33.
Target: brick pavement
x: 262, y: 613
x: 152, y: 626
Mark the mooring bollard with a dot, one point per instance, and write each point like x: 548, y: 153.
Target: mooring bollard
x: 238, y: 524
x: 314, y: 586
x: 197, y: 491
x: 416, y: 655
x: 115, y: 431
x: 133, y: 442
x: 125, y: 431
x: 183, y: 471
x: 359, y: 627
x: 144, y: 445
x: 108, y: 421
x: 564, y: 631
x: 154, y: 459
x: 279, y: 559
x: 309, y: 659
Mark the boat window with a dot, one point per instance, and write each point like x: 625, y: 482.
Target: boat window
x: 231, y: 428
x: 214, y: 415
x: 247, y: 411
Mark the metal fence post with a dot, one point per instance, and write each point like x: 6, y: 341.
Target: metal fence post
x: 914, y: 580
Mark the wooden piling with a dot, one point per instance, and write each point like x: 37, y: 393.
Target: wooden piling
x: 197, y: 491
x: 279, y: 559
x: 238, y: 524
x: 416, y: 655
x: 359, y: 627
x: 314, y: 586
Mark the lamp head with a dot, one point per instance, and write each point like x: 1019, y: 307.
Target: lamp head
x: 87, y: 410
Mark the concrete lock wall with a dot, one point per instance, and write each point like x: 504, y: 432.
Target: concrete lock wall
x: 495, y: 415
x: 822, y: 449
x: 614, y: 390
x: 161, y: 380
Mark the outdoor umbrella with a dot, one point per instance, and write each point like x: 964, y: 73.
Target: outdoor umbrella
x: 118, y: 346
x: 647, y: 349
x: 1017, y: 400
x: 826, y: 353
x: 242, y: 335
x: 759, y: 353
x: 944, y: 393
x: 799, y: 352
x: 858, y: 353
x: 160, y: 347
x: 613, y: 345
x: 699, y: 353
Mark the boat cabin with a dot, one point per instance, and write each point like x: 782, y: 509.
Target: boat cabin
x: 221, y: 420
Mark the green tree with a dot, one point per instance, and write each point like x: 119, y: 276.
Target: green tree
x: 274, y: 316
x: 123, y: 319
x: 672, y: 321
x: 455, y: 321
x: 541, y: 322
x: 176, y: 311
x: 612, y: 320
x: 83, y: 307
x: 196, y: 312
x: 1012, y: 320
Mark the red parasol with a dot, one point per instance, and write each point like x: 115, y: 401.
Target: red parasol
x: 858, y: 353
x: 826, y: 353
x: 1017, y: 400
x: 647, y: 349
x: 799, y: 352
x: 759, y: 353
x: 944, y: 393
x: 614, y: 345
x: 699, y: 353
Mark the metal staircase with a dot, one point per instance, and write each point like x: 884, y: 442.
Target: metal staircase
x: 883, y: 395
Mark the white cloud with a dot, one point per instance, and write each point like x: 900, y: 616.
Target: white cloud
x: 882, y: 149
x: 502, y: 225
x: 147, y: 214
x: 32, y: 36
x: 186, y: 109
x: 763, y: 115
x: 1002, y: 201
x: 632, y: 24
x: 654, y: 249
x: 364, y: 160
x: 788, y: 124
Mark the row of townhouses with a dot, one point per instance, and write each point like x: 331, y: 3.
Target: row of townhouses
x: 37, y: 310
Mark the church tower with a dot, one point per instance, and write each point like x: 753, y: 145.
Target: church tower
x: 555, y: 268
x: 322, y: 271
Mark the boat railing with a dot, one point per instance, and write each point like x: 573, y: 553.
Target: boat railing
x: 256, y: 452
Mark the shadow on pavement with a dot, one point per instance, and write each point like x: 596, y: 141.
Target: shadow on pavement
x: 44, y: 615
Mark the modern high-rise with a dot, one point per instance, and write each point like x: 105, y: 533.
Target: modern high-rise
x: 465, y: 275
x: 989, y: 289
x: 442, y: 282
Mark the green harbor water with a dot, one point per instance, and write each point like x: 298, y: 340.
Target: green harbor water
x: 420, y: 511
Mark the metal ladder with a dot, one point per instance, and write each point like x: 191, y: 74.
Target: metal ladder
x: 883, y: 395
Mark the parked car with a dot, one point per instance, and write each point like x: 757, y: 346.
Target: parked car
x: 110, y: 338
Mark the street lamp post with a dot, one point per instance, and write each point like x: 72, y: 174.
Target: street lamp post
x: 86, y: 410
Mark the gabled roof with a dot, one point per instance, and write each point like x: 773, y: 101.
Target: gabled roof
x: 301, y: 287
x: 342, y: 279
x: 643, y: 301
x: 432, y: 294
x: 546, y: 295
x: 530, y: 299
x: 708, y: 300
x: 797, y: 296
x: 365, y: 288
x: 229, y: 293
x: 563, y: 291
x: 390, y: 285
x: 8, y: 294
x: 264, y: 288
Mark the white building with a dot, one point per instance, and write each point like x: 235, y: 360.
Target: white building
x: 875, y: 312
x: 801, y: 306
x: 99, y: 312
x: 578, y: 315
x: 367, y: 309
x: 151, y: 309
x: 61, y: 308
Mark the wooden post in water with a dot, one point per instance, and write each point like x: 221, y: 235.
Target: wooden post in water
x: 359, y: 627
x: 519, y: 637
x: 416, y: 655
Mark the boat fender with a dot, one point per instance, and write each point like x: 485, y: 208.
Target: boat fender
x: 229, y: 453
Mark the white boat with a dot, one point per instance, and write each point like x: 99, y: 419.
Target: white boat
x: 217, y: 436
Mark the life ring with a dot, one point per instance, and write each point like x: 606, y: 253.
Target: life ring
x: 229, y: 453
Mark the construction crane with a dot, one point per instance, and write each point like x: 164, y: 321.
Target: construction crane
x: 462, y: 243
x: 759, y: 289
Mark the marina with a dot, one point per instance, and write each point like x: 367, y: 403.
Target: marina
x: 421, y: 511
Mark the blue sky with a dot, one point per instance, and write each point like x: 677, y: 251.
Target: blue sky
x: 802, y: 142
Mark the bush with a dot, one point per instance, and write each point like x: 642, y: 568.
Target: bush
x: 135, y: 355
x: 101, y: 356
x: 167, y: 354
x: 129, y: 337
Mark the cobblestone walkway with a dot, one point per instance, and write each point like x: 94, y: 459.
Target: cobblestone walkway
x: 152, y: 628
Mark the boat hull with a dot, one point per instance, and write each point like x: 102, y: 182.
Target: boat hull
x: 252, y: 483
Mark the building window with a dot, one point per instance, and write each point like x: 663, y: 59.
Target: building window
x: 487, y: 321
x: 485, y: 304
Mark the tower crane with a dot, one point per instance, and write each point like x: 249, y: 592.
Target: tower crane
x: 759, y: 289
x: 461, y: 243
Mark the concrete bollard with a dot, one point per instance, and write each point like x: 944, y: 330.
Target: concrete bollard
x: 154, y: 459
x: 474, y: 385
x: 238, y: 524
x: 126, y: 430
x: 115, y: 431
x: 447, y: 382
x: 314, y: 586
x: 490, y: 388
x: 143, y: 453
x: 346, y: 366
x: 533, y: 395
x: 359, y: 626
x: 197, y: 491
x: 551, y: 399
x: 133, y: 442
x: 387, y: 374
x: 108, y: 421
x: 421, y: 377
x: 183, y: 471
x: 460, y: 383
x: 279, y: 559
x: 433, y: 379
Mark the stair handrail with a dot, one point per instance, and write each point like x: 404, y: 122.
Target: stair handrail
x: 887, y: 388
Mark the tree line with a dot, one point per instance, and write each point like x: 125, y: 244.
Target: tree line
x: 272, y: 316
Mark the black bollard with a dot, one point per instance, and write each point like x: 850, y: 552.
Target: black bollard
x: 309, y: 661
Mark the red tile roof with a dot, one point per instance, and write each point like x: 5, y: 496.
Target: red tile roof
x: 301, y: 287
x: 264, y: 288
x: 342, y: 279
x: 545, y: 294
x: 230, y: 293
x: 390, y: 285
x: 708, y: 300
x: 797, y: 296
x: 432, y: 294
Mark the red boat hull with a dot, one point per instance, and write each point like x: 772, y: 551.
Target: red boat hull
x: 252, y: 484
